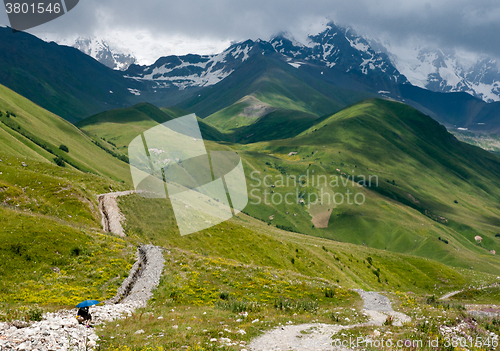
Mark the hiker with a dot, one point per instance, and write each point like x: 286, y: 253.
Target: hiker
x: 83, y: 315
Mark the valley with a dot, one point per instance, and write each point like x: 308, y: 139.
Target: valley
x: 372, y: 203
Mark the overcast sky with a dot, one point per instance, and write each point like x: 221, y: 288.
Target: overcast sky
x: 208, y: 25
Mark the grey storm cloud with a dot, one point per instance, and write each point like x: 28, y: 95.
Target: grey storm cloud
x: 469, y: 24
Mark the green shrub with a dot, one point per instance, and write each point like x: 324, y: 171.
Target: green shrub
x: 432, y: 299
x: 285, y: 304
x: 329, y: 292
x: 237, y: 306
x: 389, y: 321
x: 175, y: 295
x: 60, y: 161
x: 35, y: 313
x: 76, y: 251
x: 63, y: 148
x: 443, y: 240
x: 224, y: 295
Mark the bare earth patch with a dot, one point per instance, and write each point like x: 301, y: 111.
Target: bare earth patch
x: 321, y: 219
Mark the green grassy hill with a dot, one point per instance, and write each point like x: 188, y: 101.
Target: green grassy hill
x: 250, y: 120
x: 433, y: 195
x: 249, y: 241
x: 267, y: 99
x: 28, y: 126
x: 120, y: 126
x: 50, y: 215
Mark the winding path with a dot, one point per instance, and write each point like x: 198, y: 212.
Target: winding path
x: 111, y: 215
x: 318, y: 336
x: 60, y: 330
x: 453, y: 293
x: 146, y: 272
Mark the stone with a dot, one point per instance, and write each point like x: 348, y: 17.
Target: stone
x: 20, y: 324
x: 23, y: 347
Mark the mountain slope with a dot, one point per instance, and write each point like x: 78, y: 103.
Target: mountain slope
x: 31, y: 131
x: 120, y: 126
x: 50, y: 214
x: 61, y: 79
x: 269, y: 82
x: 455, y: 110
x: 429, y: 194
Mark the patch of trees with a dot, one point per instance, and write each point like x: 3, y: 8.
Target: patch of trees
x: 60, y: 161
x: 8, y: 114
x: 443, y: 240
x: 63, y: 148
x: 121, y: 157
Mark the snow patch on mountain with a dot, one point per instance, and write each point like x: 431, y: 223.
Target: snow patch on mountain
x: 236, y: 53
x: 337, y: 48
x: 295, y: 64
x: 134, y: 91
x: 194, y: 70
x: 358, y: 44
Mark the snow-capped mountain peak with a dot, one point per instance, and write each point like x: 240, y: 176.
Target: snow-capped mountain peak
x: 448, y: 71
x: 334, y: 48
x: 102, y: 52
x: 338, y: 47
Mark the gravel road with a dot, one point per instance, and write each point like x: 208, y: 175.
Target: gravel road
x: 318, y: 336
x: 112, y: 217
x: 143, y: 277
